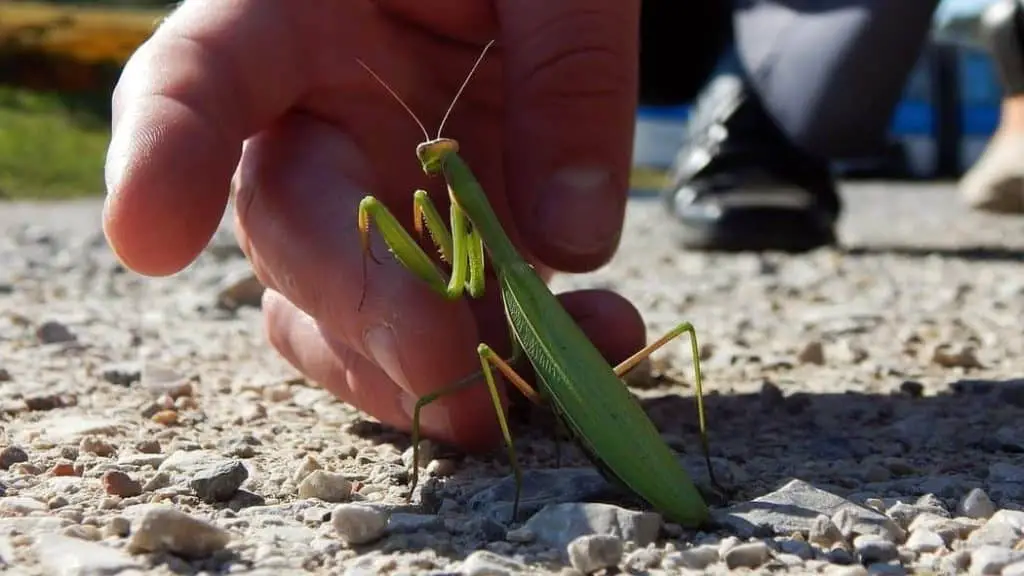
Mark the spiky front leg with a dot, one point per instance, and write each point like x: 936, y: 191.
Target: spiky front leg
x: 459, y: 247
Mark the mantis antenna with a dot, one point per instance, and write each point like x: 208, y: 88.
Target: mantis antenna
x: 451, y: 106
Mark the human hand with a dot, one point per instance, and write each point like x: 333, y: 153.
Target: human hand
x: 267, y: 97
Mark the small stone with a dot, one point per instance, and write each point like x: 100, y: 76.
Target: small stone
x: 117, y: 526
x: 240, y: 289
x: 912, y: 388
x: 308, y: 465
x: 748, y: 555
x: 522, y: 535
x: 63, y: 468
x: 11, y: 455
x: 123, y: 374
x: 158, y: 481
x: 824, y: 532
x: 873, y: 549
x: 220, y: 482
x: 327, y: 486
x: 52, y: 332
x: 594, y: 552
x: 71, y: 555
x: 642, y: 560
x: 991, y: 559
x: 148, y: 446
x: 165, y: 417
x: 696, y: 558
x: 357, y: 523
x: 118, y: 483
x: 924, y: 540
x: 165, y: 529
x: 96, y: 445
x: 947, y: 356
x: 484, y: 563
x: 812, y: 353
x: 425, y: 454
x: 976, y: 504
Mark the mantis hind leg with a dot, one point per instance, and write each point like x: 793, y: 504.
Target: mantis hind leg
x: 632, y: 361
x: 488, y: 357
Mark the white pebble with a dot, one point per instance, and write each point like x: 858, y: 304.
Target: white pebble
x: 976, y: 504
x: 358, y: 523
x: 327, y: 486
x: 924, y: 540
x: 593, y: 552
x: 749, y: 555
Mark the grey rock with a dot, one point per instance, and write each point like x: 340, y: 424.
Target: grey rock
x: 594, y: 552
x: 795, y: 506
x: 747, y: 555
x: 327, y: 486
x: 219, y: 482
x: 400, y: 522
x: 1006, y: 472
x: 995, y: 532
x: 122, y: 373
x: 798, y: 548
x: 559, y: 524
x: 642, y: 560
x: 165, y: 529
x: 924, y: 540
x: 484, y: 563
x: 696, y: 558
x: 11, y: 455
x: 872, y: 549
x: 991, y: 559
x: 976, y: 504
x: 824, y: 532
x: 541, y: 488
x: 67, y: 556
x: 1011, y: 437
x: 52, y: 332
x: 948, y: 528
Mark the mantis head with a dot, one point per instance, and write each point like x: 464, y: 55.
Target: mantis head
x: 433, y: 153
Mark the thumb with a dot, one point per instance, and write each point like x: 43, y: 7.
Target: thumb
x: 571, y: 70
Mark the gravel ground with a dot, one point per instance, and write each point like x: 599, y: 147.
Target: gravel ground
x: 864, y: 408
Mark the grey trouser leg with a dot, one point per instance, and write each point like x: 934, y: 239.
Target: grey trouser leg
x: 830, y: 72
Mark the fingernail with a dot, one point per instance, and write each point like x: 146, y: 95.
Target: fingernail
x: 577, y: 212
x: 434, y: 417
x: 382, y: 346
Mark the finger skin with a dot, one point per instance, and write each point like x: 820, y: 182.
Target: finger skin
x: 611, y: 321
x: 571, y: 72
x: 320, y: 134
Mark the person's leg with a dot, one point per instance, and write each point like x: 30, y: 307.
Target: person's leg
x: 808, y: 81
x: 996, y: 181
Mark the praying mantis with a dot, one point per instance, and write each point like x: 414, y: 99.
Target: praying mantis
x: 573, y: 377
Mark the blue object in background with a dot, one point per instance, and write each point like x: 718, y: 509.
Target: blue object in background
x: 920, y: 130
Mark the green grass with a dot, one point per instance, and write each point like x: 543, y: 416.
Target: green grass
x: 49, y: 148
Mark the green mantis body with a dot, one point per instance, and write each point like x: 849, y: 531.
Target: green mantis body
x: 572, y: 375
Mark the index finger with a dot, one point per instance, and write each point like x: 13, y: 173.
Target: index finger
x: 211, y: 75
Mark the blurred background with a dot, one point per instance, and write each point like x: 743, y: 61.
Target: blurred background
x: 59, y: 61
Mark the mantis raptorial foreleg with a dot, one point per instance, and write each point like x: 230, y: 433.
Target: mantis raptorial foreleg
x: 462, y: 248
x: 631, y: 362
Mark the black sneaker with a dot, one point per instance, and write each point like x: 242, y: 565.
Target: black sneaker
x: 739, y: 184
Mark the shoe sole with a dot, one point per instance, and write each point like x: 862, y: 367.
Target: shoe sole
x: 758, y: 230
